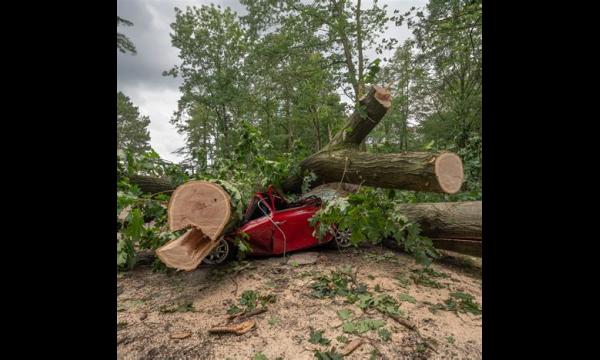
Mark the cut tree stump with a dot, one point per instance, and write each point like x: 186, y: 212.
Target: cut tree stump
x: 205, y: 209
x: 201, y: 204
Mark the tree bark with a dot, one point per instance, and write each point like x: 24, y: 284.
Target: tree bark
x: 149, y: 184
x: 467, y: 247
x: 453, y: 220
x: 371, y: 109
x: 340, y: 160
x: 420, y: 171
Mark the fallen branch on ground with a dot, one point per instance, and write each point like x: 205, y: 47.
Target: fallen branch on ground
x: 237, y: 329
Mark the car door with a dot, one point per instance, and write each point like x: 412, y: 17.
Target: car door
x: 260, y: 228
x: 292, y: 230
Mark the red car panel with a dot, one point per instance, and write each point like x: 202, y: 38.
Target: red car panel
x: 284, y: 229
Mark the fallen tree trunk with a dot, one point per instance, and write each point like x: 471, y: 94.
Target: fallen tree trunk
x: 419, y: 171
x: 467, y: 247
x: 206, y: 209
x: 461, y: 246
x: 452, y: 220
x: 340, y: 160
x: 149, y: 184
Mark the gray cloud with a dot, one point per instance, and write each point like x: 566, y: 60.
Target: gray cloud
x: 140, y: 76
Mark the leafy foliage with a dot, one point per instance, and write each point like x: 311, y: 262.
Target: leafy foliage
x: 250, y: 300
x: 384, y: 334
x: 345, y: 314
x: 124, y: 45
x: 316, y: 337
x: 327, y: 355
x: 362, y: 326
x: 141, y: 218
x: 371, y: 216
x: 458, y: 302
x: 407, y: 298
x: 259, y: 356
x: 132, y: 128
x: 183, y: 307
x: 425, y: 277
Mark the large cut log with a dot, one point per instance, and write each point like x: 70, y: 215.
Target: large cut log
x: 340, y: 160
x: 451, y: 220
x: 206, y: 209
x: 149, y: 184
x: 421, y: 171
x: 200, y: 204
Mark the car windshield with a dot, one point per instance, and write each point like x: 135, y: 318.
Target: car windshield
x: 258, y: 209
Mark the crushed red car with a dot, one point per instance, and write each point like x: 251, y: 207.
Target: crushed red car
x: 275, y: 227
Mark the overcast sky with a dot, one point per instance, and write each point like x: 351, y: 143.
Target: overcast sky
x: 140, y: 76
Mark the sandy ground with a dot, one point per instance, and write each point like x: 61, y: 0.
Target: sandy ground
x: 145, y: 329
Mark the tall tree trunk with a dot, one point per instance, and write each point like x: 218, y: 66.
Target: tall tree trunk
x: 341, y: 28
x: 361, y: 65
x: 288, y: 118
x: 317, y: 125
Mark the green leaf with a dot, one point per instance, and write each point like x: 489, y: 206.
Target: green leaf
x: 345, y: 314
x: 259, y: 356
x: 407, y: 298
x: 316, y: 337
x: 384, y: 334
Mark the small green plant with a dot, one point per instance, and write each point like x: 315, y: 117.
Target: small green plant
x: 340, y: 282
x: 374, y: 354
x: 402, y: 280
x: 273, y: 321
x: 345, y: 314
x: 259, y: 356
x: 342, y: 339
x: 407, y: 298
x: 316, y: 337
x: 384, y: 334
x: 463, y: 302
x: 424, y: 277
x: 250, y: 300
x: 327, y: 355
x: 183, y: 307
x: 458, y: 302
x: 450, y: 339
x: 362, y: 326
x: 234, y: 309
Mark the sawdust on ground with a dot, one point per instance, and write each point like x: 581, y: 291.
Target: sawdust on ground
x: 144, y: 329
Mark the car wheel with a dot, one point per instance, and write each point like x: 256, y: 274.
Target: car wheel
x: 219, y: 254
x: 342, y: 238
